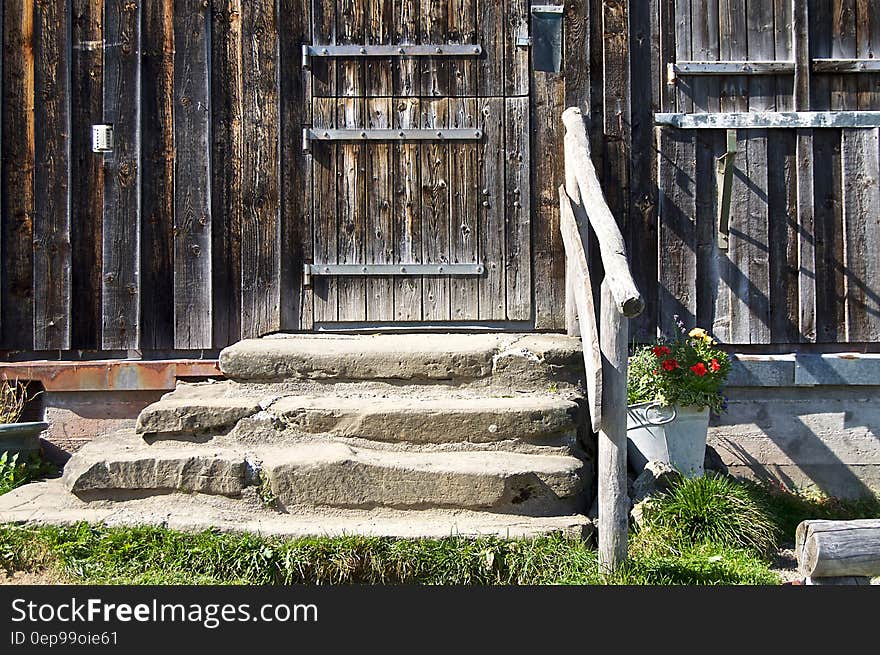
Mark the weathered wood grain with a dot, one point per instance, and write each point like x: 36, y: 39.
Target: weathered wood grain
x: 677, y: 292
x: 324, y: 206
x: 351, y: 210
x: 323, y: 69
x: 491, y: 206
x: 518, y: 209
x: 838, y: 548
x: 516, y: 58
x: 295, y: 166
x: 87, y: 168
x: 121, y: 235
x: 434, y: 165
x: 406, y: 70
x: 433, y: 22
x: 463, y: 226
x: 462, y: 28
x: 579, y: 290
x: 350, y: 29
x: 379, y: 27
x: 407, y: 248
x: 18, y: 175
x: 260, y: 225
x: 491, y: 35
x: 157, y: 175
x: 226, y: 180
x: 861, y: 219
x: 51, y: 244
x: 379, y: 235
x: 192, y: 208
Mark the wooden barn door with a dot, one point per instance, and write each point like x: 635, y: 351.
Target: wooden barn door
x: 419, y: 151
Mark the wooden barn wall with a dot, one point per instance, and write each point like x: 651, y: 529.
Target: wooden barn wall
x: 191, y: 233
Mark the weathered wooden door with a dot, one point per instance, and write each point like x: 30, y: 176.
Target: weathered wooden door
x: 419, y: 151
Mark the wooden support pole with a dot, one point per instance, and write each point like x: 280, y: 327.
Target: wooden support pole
x: 613, y: 499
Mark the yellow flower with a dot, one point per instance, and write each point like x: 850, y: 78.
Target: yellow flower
x: 700, y: 333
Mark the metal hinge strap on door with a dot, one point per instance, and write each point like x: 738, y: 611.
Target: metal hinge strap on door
x: 404, y: 50
x: 446, y: 134
x: 310, y: 270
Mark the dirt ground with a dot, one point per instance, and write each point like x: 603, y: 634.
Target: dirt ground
x: 25, y: 578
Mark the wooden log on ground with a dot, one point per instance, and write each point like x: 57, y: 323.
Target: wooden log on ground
x: 828, y: 549
x: 580, y: 164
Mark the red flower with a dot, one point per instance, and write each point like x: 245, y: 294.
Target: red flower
x: 670, y: 364
x: 714, y: 365
x: 699, y: 369
x: 661, y: 351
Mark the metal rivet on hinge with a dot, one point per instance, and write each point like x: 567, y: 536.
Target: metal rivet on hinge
x: 403, y: 269
x: 364, y: 269
x: 324, y: 51
x: 363, y: 51
x: 400, y: 51
x: 327, y: 269
x: 485, y: 203
x: 439, y: 51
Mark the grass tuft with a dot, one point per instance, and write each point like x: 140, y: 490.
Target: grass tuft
x: 709, y: 510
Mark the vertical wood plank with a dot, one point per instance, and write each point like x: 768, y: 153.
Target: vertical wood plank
x: 407, y: 71
x: 226, y: 170
x: 516, y: 58
x: 641, y: 223
x: 407, y: 213
x: 861, y: 216
x: 157, y: 175
x: 379, y: 234
x: 806, y: 248
x: 51, y: 244
x: 192, y: 208
x: 677, y: 292
x: 18, y: 175
x: 435, y: 209
x: 433, y: 22
x: 518, y: 210
x: 379, y: 27
x: 827, y: 204
x: 844, y: 88
x: 350, y: 29
x: 295, y: 170
x: 121, y: 234
x: 547, y: 168
x: 86, y: 167
x: 325, y: 182
x: 492, y: 205
x: 323, y: 69
x: 260, y: 233
x: 352, y: 222
x: 492, y: 37
x: 464, y: 223
x: 462, y: 29
x: 734, y: 46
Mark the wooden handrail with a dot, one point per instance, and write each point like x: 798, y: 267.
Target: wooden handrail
x: 581, y: 203
x: 579, y: 167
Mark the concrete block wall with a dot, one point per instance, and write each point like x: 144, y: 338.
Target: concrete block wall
x: 806, y: 421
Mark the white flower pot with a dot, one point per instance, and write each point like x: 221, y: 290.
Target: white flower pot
x: 674, y: 435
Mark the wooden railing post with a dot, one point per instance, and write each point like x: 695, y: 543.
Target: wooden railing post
x: 621, y: 301
x: 613, y: 498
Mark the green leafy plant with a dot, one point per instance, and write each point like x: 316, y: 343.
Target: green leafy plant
x: 712, y: 509
x: 14, y: 473
x: 689, y: 371
x: 13, y: 397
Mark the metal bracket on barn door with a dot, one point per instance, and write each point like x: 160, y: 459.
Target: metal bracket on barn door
x: 310, y: 270
x: 446, y: 134
x: 403, y: 50
x: 725, y: 189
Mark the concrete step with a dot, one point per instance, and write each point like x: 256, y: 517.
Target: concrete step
x: 427, y: 418
x: 330, y: 474
x: 49, y: 503
x: 523, y: 360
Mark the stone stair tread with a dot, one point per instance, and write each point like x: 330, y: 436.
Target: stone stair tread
x: 428, y: 357
x: 48, y: 503
x: 331, y: 473
x: 390, y: 418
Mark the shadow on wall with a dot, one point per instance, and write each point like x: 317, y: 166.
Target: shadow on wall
x: 824, y: 438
